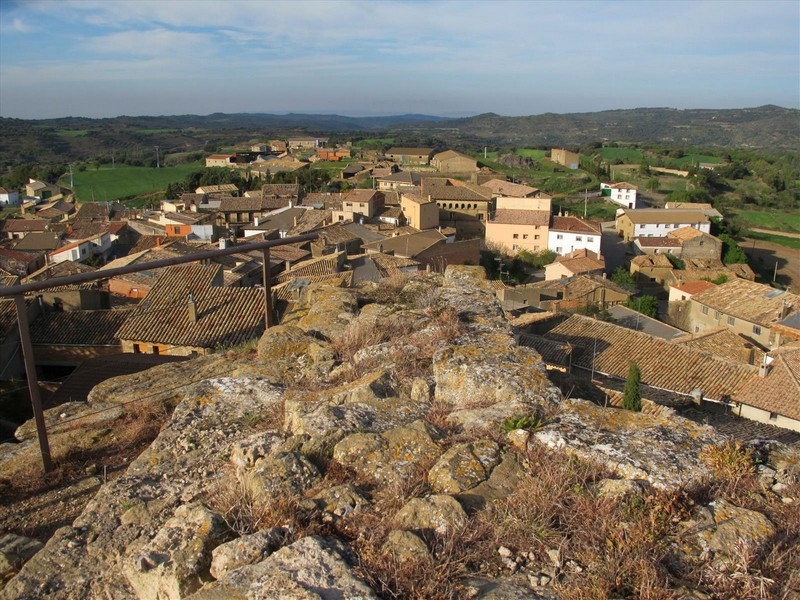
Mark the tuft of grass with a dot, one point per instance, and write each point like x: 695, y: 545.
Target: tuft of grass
x: 527, y: 422
x: 731, y: 464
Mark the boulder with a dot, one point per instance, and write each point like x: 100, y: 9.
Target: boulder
x: 15, y: 550
x: 284, y: 350
x: 405, y: 546
x: 389, y: 456
x: 439, y: 513
x: 330, y: 309
x: 503, y: 481
x: 633, y: 445
x: 282, y: 473
x: 247, y: 550
x: 247, y: 452
x: 731, y: 525
x: 464, y: 466
x: 312, y: 567
x: 340, y: 500
x: 176, y: 562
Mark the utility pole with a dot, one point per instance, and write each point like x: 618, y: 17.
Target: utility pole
x: 484, y: 153
x: 775, y: 275
x: 585, y: 201
x: 158, y: 164
x: 113, y: 164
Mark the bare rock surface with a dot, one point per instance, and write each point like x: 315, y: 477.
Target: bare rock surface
x: 464, y: 466
x: 246, y: 550
x: 438, y: 513
x: 312, y: 567
x: 634, y: 445
x: 15, y: 550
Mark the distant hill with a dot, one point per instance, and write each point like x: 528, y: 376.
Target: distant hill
x: 78, y: 138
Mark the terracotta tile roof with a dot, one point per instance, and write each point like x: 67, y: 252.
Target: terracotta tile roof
x: 361, y: 195
x: 685, y: 233
x: 7, y: 280
x: 659, y: 215
x: 290, y: 252
x: 622, y: 185
x: 23, y: 257
x: 513, y: 216
x: 652, y: 260
x: 583, y: 264
x: 506, y: 188
x: 387, y: 262
x: 694, y: 287
x: 24, y: 225
x: 234, y: 204
x: 574, y: 224
x: 335, y: 234
x: 660, y: 242
x: 8, y: 316
x: 408, y: 245
x: 389, y: 212
x: 324, y: 265
x: 753, y: 302
x: 663, y: 365
x: 61, y: 269
x: 553, y: 352
x: 779, y: 391
x: 216, y: 189
x: 44, y: 240
x: 409, y: 151
x: 579, y: 286
x: 79, y: 328
x: 450, y: 154
x: 225, y: 316
x: 310, y: 221
x: 725, y: 343
x: 455, y: 192
x: 407, y: 177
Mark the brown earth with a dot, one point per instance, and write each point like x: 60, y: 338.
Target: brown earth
x: 764, y: 256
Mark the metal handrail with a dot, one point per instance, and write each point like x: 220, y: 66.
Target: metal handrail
x: 18, y: 293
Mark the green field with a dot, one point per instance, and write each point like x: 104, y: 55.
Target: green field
x: 781, y: 240
x: 150, y: 131
x: 124, y: 181
x: 691, y: 159
x: 777, y: 220
x: 628, y: 155
x: 531, y: 153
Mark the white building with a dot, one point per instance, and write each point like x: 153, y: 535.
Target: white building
x: 622, y: 193
x: 567, y: 234
x: 657, y: 222
x: 9, y: 197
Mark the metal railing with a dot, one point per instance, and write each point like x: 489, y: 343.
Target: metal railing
x: 17, y: 292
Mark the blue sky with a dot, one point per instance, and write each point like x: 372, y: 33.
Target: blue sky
x: 108, y: 58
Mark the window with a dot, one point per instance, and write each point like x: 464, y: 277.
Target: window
x: 773, y: 416
x: 516, y: 236
x: 590, y: 239
x: 155, y: 350
x: 559, y: 237
x: 559, y: 249
x: 756, y: 330
x: 136, y: 349
x: 717, y: 314
x: 704, y: 310
x: 515, y: 247
x: 731, y: 321
x: 536, y: 237
x: 536, y: 248
x: 525, y: 236
x: 578, y: 238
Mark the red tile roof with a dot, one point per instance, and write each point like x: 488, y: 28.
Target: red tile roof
x: 779, y: 391
x: 574, y: 224
x: 512, y: 216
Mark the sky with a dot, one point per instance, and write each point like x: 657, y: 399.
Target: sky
x: 364, y: 58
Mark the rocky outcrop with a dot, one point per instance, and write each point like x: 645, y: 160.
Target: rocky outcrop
x: 634, y: 445
x: 409, y: 421
x: 15, y: 550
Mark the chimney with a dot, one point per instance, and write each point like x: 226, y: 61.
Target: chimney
x: 255, y: 221
x: 192, y: 309
x: 287, y: 266
x: 763, y: 370
x: 697, y: 396
x: 295, y: 221
x: 223, y: 243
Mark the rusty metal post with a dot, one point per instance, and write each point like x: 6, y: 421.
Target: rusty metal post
x: 268, y: 319
x: 33, y: 382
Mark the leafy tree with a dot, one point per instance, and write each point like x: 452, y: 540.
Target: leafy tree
x: 676, y: 262
x: 732, y: 253
x: 632, y: 396
x: 652, y: 184
x: 623, y: 278
x: 647, y: 305
x: 536, y: 260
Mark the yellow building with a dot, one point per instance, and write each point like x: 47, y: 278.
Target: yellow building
x: 421, y: 212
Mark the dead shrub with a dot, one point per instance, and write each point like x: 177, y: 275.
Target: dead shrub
x: 731, y: 463
x: 739, y: 577
x: 246, y: 512
x: 362, y: 333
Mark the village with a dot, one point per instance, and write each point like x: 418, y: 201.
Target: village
x: 590, y: 297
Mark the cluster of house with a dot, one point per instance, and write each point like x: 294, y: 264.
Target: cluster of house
x: 425, y: 210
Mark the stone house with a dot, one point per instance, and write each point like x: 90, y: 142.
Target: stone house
x: 579, y: 262
x: 451, y: 161
x: 419, y: 211
x: 571, y: 160
x: 512, y: 230
x: 410, y: 156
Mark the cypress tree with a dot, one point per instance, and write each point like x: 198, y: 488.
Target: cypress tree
x: 632, y: 398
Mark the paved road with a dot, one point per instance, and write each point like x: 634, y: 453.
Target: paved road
x: 613, y: 247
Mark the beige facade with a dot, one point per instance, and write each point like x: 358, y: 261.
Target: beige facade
x: 511, y: 238
x: 163, y: 349
x: 765, y: 416
x: 220, y: 160
x: 454, y: 162
x: 540, y: 203
x: 420, y: 212
x: 703, y: 318
x: 564, y: 157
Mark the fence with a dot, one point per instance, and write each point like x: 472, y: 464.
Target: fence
x: 17, y: 292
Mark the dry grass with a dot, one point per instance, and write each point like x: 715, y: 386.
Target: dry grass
x: 731, y: 464
x: 246, y: 512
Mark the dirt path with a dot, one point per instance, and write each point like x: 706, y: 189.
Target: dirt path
x: 765, y: 255
x: 774, y: 232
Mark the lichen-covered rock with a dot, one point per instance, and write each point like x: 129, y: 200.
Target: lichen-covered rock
x: 285, y: 349
x: 247, y: 550
x: 176, y: 562
x: 90, y: 415
x: 439, y: 513
x: 313, y: 567
x: 15, y: 550
x: 732, y: 525
x: 464, y: 466
x: 340, y: 500
x: 246, y: 452
x: 503, y: 481
x: 634, y: 445
x: 330, y: 309
x: 464, y: 273
x: 405, y: 546
x: 285, y: 473
x: 391, y: 455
